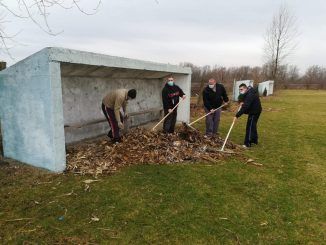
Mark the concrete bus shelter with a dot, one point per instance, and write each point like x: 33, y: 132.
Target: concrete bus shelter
x: 268, y: 85
x: 54, y: 96
x: 236, y: 85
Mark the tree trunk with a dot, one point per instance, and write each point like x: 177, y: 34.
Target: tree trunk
x: 276, y: 59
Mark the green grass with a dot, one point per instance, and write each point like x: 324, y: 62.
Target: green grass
x: 282, y: 202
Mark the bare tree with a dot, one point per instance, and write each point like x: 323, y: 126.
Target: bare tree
x: 293, y: 74
x: 280, y: 39
x: 315, y: 75
x: 36, y: 11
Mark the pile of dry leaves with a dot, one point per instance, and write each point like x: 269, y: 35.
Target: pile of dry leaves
x: 141, y: 146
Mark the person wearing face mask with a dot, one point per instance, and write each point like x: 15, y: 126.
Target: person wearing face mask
x: 170, y: 96
x: 214, y: 95
x: 251, y: 106
x: 111, y: 105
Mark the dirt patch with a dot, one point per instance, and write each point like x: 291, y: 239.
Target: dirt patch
x: 141, y: 146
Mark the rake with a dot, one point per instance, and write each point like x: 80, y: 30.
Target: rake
x: 167, y: 114
x: 227, y: 136
x: 206, y: 115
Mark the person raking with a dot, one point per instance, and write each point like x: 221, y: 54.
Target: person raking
x: 170, y: 96
x: 214, y: 95
x: 251, y: 106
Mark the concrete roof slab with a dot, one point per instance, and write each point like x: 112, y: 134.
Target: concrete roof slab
x: 88, y: 58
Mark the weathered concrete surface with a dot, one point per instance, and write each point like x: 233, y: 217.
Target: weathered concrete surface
x: 82, y: 98
x: 269, y: 85
x: 31, y: 113
x: 236, y: 85
x: 56, y: 86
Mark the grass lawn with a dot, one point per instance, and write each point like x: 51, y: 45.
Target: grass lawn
x: 282, y: 202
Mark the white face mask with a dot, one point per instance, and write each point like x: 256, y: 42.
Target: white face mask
x: 211, y: 85
x: 242, y: 92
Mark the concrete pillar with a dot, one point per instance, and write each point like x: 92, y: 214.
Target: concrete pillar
x: 3, y: 65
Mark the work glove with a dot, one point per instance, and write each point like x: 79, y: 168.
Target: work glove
x: 120, y: 125
x: 169, y: 110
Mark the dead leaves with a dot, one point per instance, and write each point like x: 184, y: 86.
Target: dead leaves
x: 94, y: 219
x: 87, y: 184
x: 68, y: 194
x: 252, y: 162
x: 143, y: 147
x: 20, y: 219
x: 88, y: 181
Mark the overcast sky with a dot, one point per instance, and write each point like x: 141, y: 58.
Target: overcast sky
x: 228, y: 32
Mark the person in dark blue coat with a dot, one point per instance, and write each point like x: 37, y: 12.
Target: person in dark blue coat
x: 251, y: 106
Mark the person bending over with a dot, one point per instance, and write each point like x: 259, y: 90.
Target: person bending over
x: 111, y: 105
x: 251, y: 106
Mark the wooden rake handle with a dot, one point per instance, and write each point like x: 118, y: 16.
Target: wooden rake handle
x: 227, y: 136
x: 207, y: 114
x: 167, y: 114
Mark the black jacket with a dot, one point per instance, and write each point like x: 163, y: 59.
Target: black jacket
x: 170, y: 96
x: 213, y: 100
x: 251, y: 104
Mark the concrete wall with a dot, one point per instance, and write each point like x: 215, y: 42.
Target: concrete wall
x: 184, y: 82
x: 82, y: 98
x: 30, y: 96
x: 1, y: 148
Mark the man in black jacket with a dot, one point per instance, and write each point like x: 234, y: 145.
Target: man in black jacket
x: 251, y: 106
x: 214, y: 95
x: 170, y: 97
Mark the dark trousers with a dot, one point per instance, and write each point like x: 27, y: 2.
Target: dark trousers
x: 212, y: 122
x: 110, y: 116
x: 251, y: 130
x: 169, y: 122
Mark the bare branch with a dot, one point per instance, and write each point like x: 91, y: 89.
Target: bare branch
x: 280, y: 39
x: 37, y: 11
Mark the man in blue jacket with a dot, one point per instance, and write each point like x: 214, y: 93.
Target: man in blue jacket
x: 214, y: 95
x: 251, y: 106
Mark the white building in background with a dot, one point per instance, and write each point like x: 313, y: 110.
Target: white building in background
x: 236, y: 84
x: 268, y: 85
